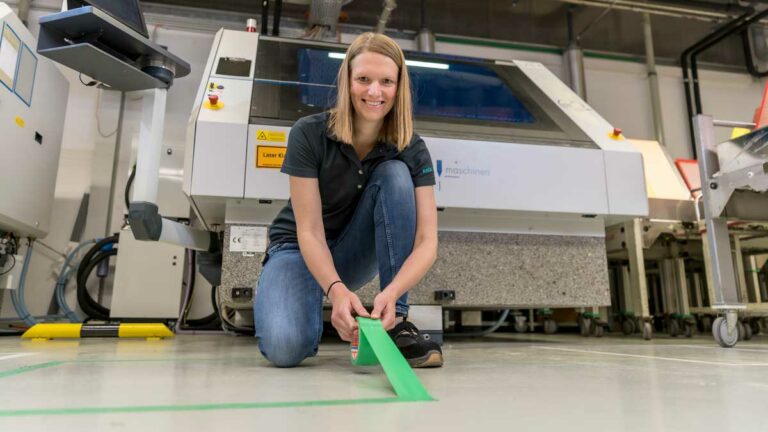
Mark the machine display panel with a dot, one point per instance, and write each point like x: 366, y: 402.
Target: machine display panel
x: 452, y: 95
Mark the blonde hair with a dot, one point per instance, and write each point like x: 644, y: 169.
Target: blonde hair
x: 398, y: 124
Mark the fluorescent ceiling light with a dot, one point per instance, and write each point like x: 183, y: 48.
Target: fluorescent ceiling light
x: 413, y: 63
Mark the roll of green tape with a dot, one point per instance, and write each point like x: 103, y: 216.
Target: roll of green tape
x: 376, y: 347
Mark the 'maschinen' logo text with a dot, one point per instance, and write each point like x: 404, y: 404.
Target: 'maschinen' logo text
x: 466, y: 171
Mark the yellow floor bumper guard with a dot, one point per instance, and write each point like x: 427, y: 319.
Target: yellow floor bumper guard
x: 127, y: 330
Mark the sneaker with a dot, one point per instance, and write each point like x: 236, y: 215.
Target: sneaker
x: 419, y: 352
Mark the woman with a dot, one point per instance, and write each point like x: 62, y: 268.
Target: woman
x: 362, y: 203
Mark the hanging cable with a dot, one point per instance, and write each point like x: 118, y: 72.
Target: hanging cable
x: 101, y: 251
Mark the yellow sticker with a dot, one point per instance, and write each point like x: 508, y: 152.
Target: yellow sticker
x: 737, y: 132
x: 19, y: 121
x: 269, y: 156
x: 271, y: 136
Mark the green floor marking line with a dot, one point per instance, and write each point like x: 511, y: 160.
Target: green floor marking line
x: 30, y: 368
x: 376, y: 347
x: 148, y: 360
x: 198, y: 407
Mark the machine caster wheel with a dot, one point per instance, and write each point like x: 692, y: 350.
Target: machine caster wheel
x: 598, y: 329
x: 628, y: 327
x: 585, y: 325
x: 706, y: 323
x: 521, y: 324
x: 721, y: 335
x: 674, y: 327
x: 755, y: 323
x: 550, y: 326
x: 647, y: 331
x: 745, y: 331
x: 689, y: 329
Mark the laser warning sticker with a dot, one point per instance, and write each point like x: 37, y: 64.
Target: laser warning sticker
x: 270, y: 156
x: 270, y: 136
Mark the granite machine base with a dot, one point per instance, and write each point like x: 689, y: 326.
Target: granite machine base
x: 473, y: 271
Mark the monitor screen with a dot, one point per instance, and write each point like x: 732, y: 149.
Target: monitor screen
x: 126, y: 11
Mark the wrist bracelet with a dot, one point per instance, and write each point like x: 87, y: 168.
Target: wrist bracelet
x: 330, y: 287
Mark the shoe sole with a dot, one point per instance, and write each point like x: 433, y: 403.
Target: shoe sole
x: 430, y: 360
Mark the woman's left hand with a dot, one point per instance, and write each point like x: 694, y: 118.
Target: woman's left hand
x: 384, y: 309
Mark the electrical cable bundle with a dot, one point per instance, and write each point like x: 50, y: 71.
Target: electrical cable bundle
x: 211, y: 321
x: 101, y: 251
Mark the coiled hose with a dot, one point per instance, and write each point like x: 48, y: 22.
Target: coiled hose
x: 102, y: 250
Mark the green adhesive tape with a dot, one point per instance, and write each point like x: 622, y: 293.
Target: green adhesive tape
x: 376, y: 347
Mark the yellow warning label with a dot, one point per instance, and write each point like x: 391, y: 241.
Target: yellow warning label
x: 271, y: 136
x: 737, y: 132
x: 20, y: 121
x: 269, y: 156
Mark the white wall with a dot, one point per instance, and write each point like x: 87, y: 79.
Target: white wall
x: 616, y: 89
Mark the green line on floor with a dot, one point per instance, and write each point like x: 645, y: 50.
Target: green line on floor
x: 197, y: 407
x: 30, y: 368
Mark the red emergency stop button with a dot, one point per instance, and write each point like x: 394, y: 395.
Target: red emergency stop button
x: 616, y: 134
x: 213, y: 99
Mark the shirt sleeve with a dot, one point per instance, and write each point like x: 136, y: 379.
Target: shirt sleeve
x: 301, y: 156
x: 416, y: 156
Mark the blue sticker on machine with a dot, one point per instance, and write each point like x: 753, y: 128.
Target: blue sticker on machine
x: 439, y: 167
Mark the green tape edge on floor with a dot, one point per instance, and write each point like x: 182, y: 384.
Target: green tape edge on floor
x: 30, y: 368
x: 198, y: 407
x: 376, y: 347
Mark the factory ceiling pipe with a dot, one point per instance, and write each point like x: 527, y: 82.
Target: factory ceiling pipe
x: 653, y: 79
x: 325, y: 13
x: 425, y: 39
x: 660, y: 9
x: 389, y: 6
x: 574, y: 59
x: 689, y: 58
x: 23, y: 14
x: 743, y: 26
x: 750, y: 60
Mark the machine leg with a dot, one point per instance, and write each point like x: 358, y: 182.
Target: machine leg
x: 550, y: 325
x: 637, y: 298
x: 520, y: 322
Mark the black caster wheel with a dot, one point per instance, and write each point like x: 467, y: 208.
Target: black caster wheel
x: 745, y: 331
x: 628, y: 327
x: 550, y: 326
x: 755, y: 324
x: 674, y: 327
x: 721, y: 334
x: 647, y: 331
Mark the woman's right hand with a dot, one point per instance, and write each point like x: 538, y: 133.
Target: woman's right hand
x: 346, y: 305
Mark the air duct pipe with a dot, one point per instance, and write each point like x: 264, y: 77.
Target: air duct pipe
x: 425, y: 39
x: 24, y: 6
x: 389, y: 6
x: 653, y: 80
x: 574, y: 61
x: 325, y: 13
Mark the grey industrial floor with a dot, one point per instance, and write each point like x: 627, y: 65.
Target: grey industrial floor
x: 505, y: 382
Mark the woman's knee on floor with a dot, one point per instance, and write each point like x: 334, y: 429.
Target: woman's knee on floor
x: 287, y: 347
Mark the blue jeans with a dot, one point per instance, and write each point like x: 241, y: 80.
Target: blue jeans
x: 288, y: 308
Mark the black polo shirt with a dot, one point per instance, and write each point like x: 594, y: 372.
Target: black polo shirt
x: 313, y: 152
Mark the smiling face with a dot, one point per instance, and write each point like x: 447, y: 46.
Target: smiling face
x: 373, y: 86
